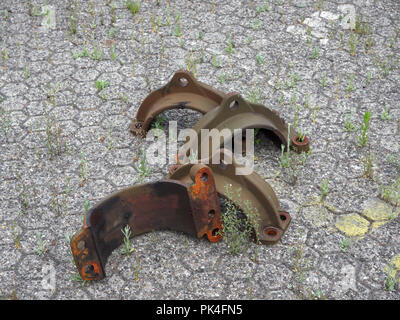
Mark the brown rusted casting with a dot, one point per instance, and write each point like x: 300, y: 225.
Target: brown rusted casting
x: 256, y: 195
x: 235, y: 112
x: 192, y: 208
x: 183, y: 91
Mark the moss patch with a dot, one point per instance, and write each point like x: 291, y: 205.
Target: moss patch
x: 353, y: 225
x: 378, y: 210
x: 318, y: 216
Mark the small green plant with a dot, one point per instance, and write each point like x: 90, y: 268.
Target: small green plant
x: 4, y: 53
x: 230, y: 45
x: 363, y: 137
x: 295, y: 77
x: 301, y: 136
x: 369, y: 77
x: 133, y: 6
x: 178, y: 27
x: 319, y: 5
x: 138, y: 266
x: 323, y: 80
x: 390, y: 282
x: 385, y: 114
x: 58, y: 202
x: 237, y: 230
x: 395, y: 158
x: 54, y: 141
x: 16, y: 236
x: 101, y: 84
x: 128, y: 248
x: 293, y: 100
x: 113, y: 15
x: 315, y: 53
x: 349, y: 125
x: 391, y: 192
x: 158, y: 122
x: 256, y: 25
x: 178, y: 30
x: 314, y: 113
x: 216, y: 62
x: 97, y: 53
x: 84, y: 53
x: 73, y: 24
x: 86, y: 206
x: 368, y: 163
x: 51, y: 92
x: 362, y: 27
x: 77, y: 278
x: 23, y: 195
x: 41, y: 246
x: 384, y: 67
x: 324, y: 188
x: 111, y: 33
x: 350, y: 87
x: 344, y: 244
x: 142, y: 169
x: 254, y: 95
x: 352, y: 43
x: 259, y: 59
x: 301, y: 265
x: 257, y: 140
x: 368, y: 43
x: 113, y: 53
x: 201, y: 34
x: 263, y: 8
x: 83, y: 167
x: 307, y: 101
x: 317, y: 295
x: 27, y: 73
x: 68, y: 188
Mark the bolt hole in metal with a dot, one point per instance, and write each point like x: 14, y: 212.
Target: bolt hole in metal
x: 233, y: 105
x: 211, y: 214
x: 283, y: 217
x: 204, y: 176
x: 89, y: 268
x: 138, y: 125
x: 183, y: 82
x: 269, y: 232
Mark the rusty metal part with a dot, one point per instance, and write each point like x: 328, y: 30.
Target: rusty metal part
x: 256, y: 195
x: 237, y: 113
x: 192, y: 208
x: 183, y: 91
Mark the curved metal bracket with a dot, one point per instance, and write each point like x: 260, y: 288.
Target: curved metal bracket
x: 192, y: 208
x: 237, y: 113
x: 256, y: 195
x: 183, y: 91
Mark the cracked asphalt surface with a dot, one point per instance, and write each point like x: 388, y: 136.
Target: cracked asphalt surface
x: 65, y: 144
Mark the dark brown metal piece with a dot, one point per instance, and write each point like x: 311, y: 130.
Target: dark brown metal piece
x: 192, y: 208
x: 237, y: 113
x: 256, y: 195
x: 183, y: 91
